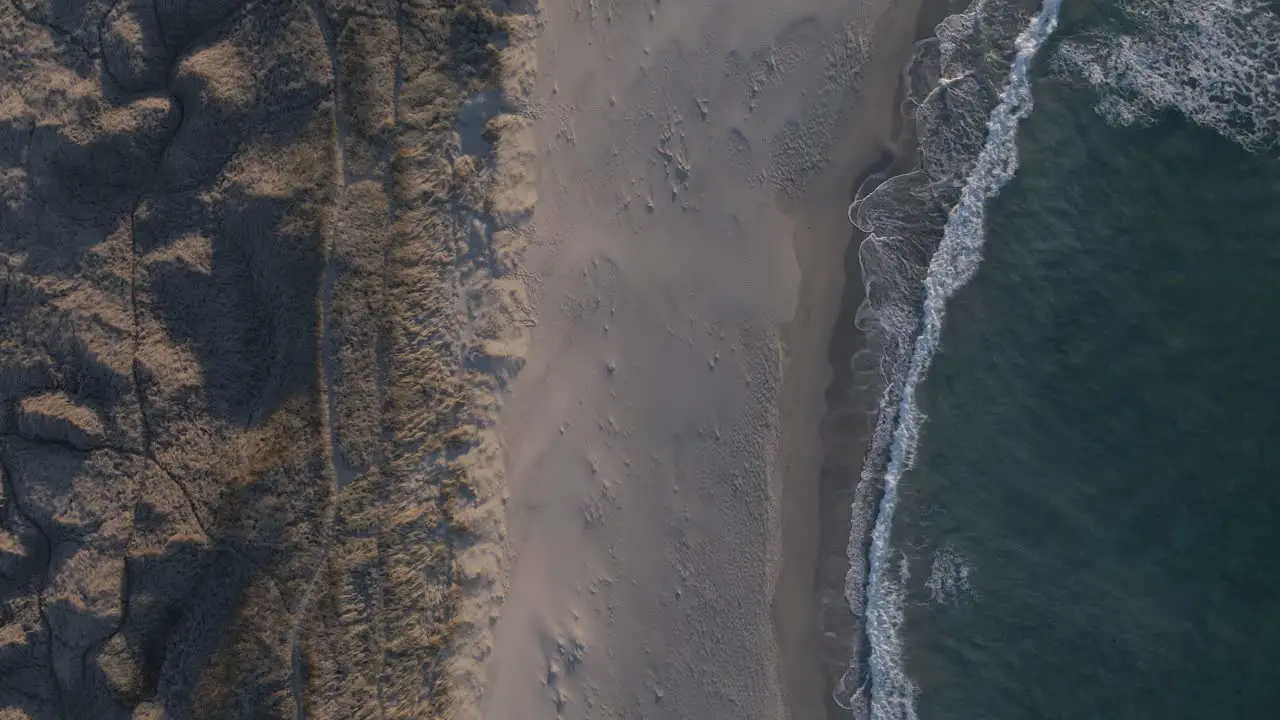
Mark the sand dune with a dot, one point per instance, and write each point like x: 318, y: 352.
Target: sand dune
x: 232, y: 401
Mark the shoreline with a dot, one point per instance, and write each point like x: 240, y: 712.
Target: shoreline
x: 883, y: 462
x: 851, y: 395
x: 663, y: 440
x: 821, y: 410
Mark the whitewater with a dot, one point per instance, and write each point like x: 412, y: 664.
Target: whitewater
x: 956, y: 260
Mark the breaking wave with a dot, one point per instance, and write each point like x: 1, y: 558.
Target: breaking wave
x: 925, y: 232
x: 1215, y: 61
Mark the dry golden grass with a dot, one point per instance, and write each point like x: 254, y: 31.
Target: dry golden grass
x: 53, y: 416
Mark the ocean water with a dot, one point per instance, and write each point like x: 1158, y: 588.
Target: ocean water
x: 1071, y: 507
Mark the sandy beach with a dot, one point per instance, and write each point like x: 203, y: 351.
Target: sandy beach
x: 691, y: 168
x: 439, y: 359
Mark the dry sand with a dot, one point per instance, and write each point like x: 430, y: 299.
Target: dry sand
x: 692, y: 162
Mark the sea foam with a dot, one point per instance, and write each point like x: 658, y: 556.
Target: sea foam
x: 911, y: 340
x: 1215, y: 61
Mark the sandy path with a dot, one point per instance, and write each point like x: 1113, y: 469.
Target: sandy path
x: 694, y: 161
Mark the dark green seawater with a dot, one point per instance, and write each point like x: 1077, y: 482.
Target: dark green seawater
x: 1103, y: 445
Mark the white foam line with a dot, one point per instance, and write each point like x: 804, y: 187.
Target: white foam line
x: 952, y: 265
